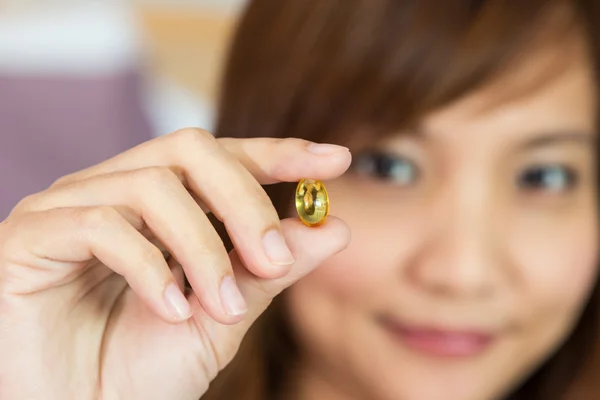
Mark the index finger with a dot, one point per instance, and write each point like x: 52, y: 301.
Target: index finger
x: 269, y: 160
x: 288, y: 160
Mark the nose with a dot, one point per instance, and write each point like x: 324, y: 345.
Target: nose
x: 458, y: 257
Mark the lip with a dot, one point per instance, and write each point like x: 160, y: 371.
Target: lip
x: 439, y: 342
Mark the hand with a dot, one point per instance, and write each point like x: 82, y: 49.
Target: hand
x: 92, y: 269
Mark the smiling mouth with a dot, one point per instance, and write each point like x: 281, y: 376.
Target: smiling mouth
x: 439, y: 342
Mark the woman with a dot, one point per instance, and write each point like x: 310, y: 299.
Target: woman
x: 471, y: 198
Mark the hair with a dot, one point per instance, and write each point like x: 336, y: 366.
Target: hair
x: 331, y: 70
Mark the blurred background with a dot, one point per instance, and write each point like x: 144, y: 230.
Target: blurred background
x: 83, y: 80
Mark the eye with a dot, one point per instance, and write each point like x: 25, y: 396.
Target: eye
x: 548, y: 178
x: 388, y: 167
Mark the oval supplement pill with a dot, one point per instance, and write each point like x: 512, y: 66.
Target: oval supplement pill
x: 312, y: 202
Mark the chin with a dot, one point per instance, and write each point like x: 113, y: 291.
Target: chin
x: 404, y: 382
x: 393, y: 370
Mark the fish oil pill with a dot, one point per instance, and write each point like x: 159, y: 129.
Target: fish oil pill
x: 312, y: 202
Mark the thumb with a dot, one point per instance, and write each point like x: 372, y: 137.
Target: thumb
x: 311, y: 246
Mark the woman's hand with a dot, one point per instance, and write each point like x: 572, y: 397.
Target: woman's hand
x: 91, y: 308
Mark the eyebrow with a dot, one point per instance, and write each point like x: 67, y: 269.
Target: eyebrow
x: 560, y: 137
x: 548, y: 139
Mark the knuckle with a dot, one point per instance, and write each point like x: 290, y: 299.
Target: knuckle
x: 63, y: 180
x: 151, y: 256
x: 274, y: 146
x: 294, y: 142
x: 8, y: 238
x: 27, y: 203
x: 258, y: 198
x: 282, y: 170
x: 288, y: 145
x: 257, y: 202
x: 212, y: 251
x: 156, y: 177
x: 95, y: 218
x: 302, y: 143
x: 285, y: 151
x: 194, y: 138
x: 15, y: 248
x: 255, y: 199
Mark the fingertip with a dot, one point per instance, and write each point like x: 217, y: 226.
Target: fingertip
x: 274, y: 261
x: 332, y: 236
x: 177, y: 305
x: 232, y: 300
x: 330, y: 167
x: 345, y: 160
x: 278, y: 253
x: 325, y: 149
x: 337, y: 233
x: 311, y: 246
x: 218, y: 315
x: 262, y: 268
x: 223, y: 302
x: 292, y: 165
x: 341, y: 232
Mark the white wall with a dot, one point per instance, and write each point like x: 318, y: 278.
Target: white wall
x: 91, y: 37
x: 75, y: 39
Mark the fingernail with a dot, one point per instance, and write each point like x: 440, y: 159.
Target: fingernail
x: 232, y: 299
x: 324, y: 149
x: 176, y: 302
x: 276, y: 248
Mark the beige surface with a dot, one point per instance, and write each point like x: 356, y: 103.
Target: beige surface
x: 188, y: 45
x: 186, y: 42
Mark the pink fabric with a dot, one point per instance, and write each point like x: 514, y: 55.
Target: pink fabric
x: 51, y: 126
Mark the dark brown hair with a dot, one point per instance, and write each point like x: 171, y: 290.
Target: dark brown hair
x: 323, y: 69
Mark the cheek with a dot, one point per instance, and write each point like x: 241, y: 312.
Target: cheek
x: 557, y: 261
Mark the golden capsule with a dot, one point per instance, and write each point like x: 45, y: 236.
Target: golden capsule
x: 312, y: 202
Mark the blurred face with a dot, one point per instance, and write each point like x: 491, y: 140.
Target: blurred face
x: 474, y: 248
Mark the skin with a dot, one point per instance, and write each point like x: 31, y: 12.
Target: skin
x: 86, y: 296
x: 86, y: 291
x: 460, y: 247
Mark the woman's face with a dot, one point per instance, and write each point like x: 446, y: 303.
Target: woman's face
x: 474, y: 247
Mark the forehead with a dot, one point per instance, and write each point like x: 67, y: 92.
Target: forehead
x: 554, y: 90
